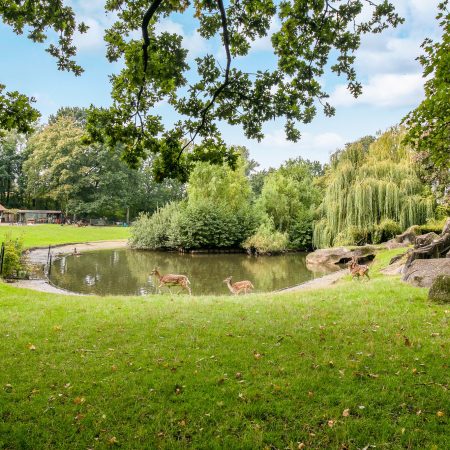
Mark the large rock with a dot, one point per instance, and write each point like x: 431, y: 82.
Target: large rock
x: 425, y: 239
x: 340, y: 255
x: 408, y: 236
x: 440, y: 289
x: 423, y: 272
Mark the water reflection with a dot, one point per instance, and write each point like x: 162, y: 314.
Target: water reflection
x: 126, y: 272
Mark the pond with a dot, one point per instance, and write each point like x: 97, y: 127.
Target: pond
x: 127, y: 272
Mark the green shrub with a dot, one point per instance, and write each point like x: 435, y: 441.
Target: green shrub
x: 153, y: 232
x: 208, y: 226
x: 203, y: 225
x: 435, y: 226
x: 387, y: 229
x: 12, y: 257
x: 266, y: 240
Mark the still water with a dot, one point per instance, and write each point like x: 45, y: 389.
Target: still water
x: 127, y: 272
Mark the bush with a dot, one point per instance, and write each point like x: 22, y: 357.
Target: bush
x: 12, y: 258
x: 387, y: 229
x: 440, y: 289
x: 209, y: 226
x: 193, y: 226
x: 153, y: 232
x: 434, y: 226
x: 266, y: 240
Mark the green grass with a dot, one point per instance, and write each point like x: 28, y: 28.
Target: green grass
x: 43, y: 235
x: 161, y: 371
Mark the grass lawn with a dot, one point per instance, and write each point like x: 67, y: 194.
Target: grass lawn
x: 43, y: 235
x: 359, y: 365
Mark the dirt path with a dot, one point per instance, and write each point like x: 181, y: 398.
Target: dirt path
x: 317, y: 283
x: 39, y: 255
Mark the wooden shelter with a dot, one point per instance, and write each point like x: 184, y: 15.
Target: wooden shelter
x: 30, y: 216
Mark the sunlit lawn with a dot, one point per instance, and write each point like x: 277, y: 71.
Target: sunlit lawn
x: 360, y: 365
x: 43, y: 235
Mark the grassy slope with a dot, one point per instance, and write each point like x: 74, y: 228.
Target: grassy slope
x: 43, y: 235
x: 160, y: 371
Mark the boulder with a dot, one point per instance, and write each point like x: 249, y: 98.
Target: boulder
x: 440, y: 289
x: 408, y: 236
x: 423, y: 272
x: 425, y: 239
x: 340, y: 255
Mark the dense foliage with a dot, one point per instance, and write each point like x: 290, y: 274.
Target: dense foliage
x: 216, y: 214
x: 53, y: 169
x: 429, y: 124
x: 313, y: 36
x: 372, y: 192
x: 12, y: 262
x: 222, y: 211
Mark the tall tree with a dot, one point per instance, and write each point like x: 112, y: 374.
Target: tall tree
x: 429, y: 124
x: 371, y: 185
x: 11, y: 160
x: 313, y: 35
x: 79, y: 179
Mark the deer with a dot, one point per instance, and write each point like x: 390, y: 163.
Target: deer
x: 239, y: 286
x: 358, y: 270
x: 172, y: 280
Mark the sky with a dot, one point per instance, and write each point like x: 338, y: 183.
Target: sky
x: 386, y: 65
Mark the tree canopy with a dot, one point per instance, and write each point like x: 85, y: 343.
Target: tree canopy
x: 313, y: 35
x: 429, y: 124
x: 372, y: 193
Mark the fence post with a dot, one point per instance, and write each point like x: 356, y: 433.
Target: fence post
x: 2, y: 254
x: 49, y: 266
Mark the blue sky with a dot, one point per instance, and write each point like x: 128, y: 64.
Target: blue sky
x: 386, y: 65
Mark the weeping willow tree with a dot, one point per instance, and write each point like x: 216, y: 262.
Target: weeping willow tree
x: 372, y: 190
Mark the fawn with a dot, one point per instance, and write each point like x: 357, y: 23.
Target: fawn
x: 172, y: 280
x: 358, y: 270
x: 239, y: 286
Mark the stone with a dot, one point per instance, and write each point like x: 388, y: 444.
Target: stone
x: 408, y: 236
x: 423, y: 272
x: 340, y: 255
x: 425, y: 239
x: 440, y: 289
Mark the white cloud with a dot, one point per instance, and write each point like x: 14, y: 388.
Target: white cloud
x: 385, y: 91
x: 93, y: 38
x: 311, y: 146
x: 265, y: 43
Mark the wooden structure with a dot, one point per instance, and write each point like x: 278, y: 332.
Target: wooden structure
x: 30, y: 216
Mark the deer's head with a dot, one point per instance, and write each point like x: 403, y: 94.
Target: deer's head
x: 227, y: 280
x: 154, y: 271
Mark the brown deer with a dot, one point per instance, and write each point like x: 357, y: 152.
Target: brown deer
x: 239, y: 286
x: 172, y: 280
x: 358, y: 270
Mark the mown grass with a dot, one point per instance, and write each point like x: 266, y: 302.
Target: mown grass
x: 43, y: 235
x: 257, y: 371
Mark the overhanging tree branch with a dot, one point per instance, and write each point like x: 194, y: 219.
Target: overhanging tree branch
x: 226, y: 81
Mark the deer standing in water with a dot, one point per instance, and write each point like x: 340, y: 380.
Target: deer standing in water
x: 239, y: 286
x: 358, y: 270
x: 172, y: 280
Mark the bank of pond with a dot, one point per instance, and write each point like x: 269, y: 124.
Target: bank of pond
x: 127, y: 271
